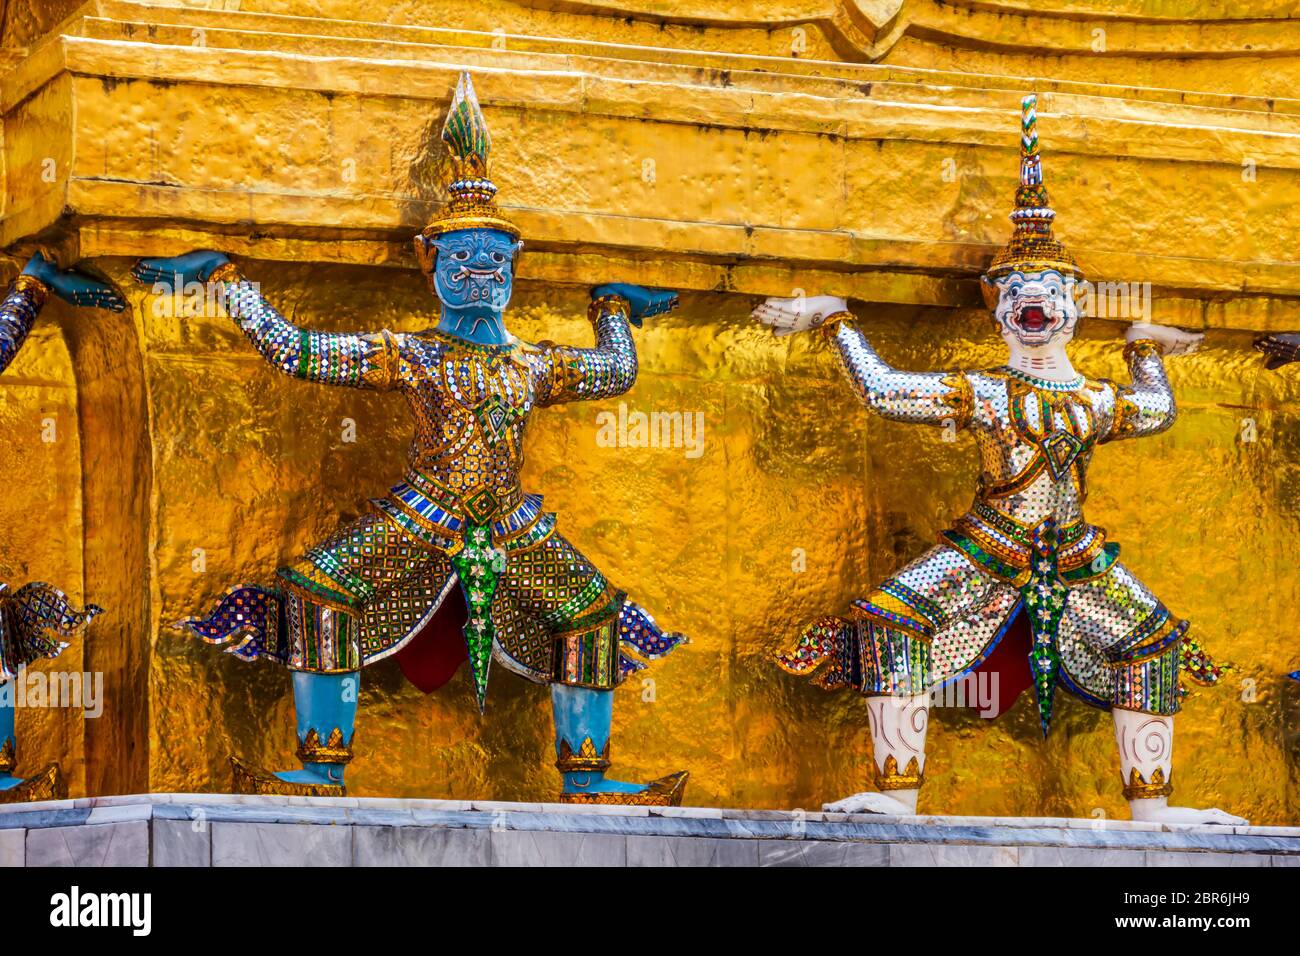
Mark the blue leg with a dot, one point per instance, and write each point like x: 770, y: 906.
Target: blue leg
x: 45, y: 784
x: 326, y: 706
x: 582, y: 721
x: 8, y: 741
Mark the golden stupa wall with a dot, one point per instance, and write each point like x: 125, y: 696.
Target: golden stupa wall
x: 730, y: 150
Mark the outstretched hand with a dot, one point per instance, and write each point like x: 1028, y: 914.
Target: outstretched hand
x: 191, y: 267
x: 1172, y: 341
x: 787, y: 316
x: 1280, y: 348
x: 643, y: 302
x: 74, y: 287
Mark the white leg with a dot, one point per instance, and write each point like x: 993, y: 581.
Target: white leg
x: 1146, y: 761
x: 898, y: 726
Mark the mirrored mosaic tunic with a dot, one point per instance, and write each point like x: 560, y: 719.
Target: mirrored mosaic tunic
x: 459, y: 516
x: 1023, y: 548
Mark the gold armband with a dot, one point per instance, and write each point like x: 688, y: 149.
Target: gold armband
x: 226, y: 272
x: 1141, y: 348
x: 34, y: 287
x: 832, y: 321
x: 961, y: 400
x: 381, y: 360
x: 608, y: 305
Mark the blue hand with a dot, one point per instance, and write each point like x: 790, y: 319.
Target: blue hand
x: 76, y: 288
x: 191, y: 267
x: 644, y: 302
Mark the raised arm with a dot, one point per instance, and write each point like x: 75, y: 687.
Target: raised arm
x: 17, y: 313
x: 28, y: 294
x: 362, y: 360
x: 359, y: 360
x: 1147, y: 406
x: 568, y: 374
x: 931, y: 398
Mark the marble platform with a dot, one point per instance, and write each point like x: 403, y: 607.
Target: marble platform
x: 190, y: 829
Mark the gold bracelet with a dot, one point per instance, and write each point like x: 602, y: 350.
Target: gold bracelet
x: 334, y: 750
x: 829, y: 323
x: 608, y: 305
x: 8, y: 756
x: 224, y: 273
x: 1144, y: 347
x: 34, y: 287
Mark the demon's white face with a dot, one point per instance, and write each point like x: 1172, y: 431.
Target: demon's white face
x: 1036, y: 310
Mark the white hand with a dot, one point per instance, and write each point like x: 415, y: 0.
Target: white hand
x: 798, y: 314
x: 1172, y: 341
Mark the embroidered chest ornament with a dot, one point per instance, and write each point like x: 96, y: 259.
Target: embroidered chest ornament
x: 495, y: 417
x: 1061, y: 449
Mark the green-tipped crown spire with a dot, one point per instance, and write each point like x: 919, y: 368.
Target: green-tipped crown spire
x: 1032, y: 247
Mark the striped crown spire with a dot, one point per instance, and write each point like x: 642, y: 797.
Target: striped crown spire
x: 1031, y: 198
x: 466, y: 134
x: 471, y: 195
x: 1032, y: 246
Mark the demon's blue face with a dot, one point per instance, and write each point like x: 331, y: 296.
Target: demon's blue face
x: 474, y: 271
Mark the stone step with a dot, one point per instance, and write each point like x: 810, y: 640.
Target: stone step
x: 178, y: 829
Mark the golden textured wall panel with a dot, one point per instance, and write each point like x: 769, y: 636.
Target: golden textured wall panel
x: 303, y: 145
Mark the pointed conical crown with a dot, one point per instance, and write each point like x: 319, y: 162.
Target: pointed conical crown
x: 471, y: 195
x: 1032, y: 246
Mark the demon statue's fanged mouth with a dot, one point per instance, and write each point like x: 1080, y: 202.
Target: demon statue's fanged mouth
x: 481, y: 285
x: 1032, y: 319
x: 1036, y: 309
x: 1036, y: 323
x: 465, y: 272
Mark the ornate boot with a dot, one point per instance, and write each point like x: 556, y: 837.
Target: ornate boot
x: 327, y: 712
x: 1146, y: 760
x: 898, y: 729
x: 46, y: 785
x: 582, y: 722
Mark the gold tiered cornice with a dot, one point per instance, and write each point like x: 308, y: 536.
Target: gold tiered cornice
x: 1199, y: 45
x: 853, y: 220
